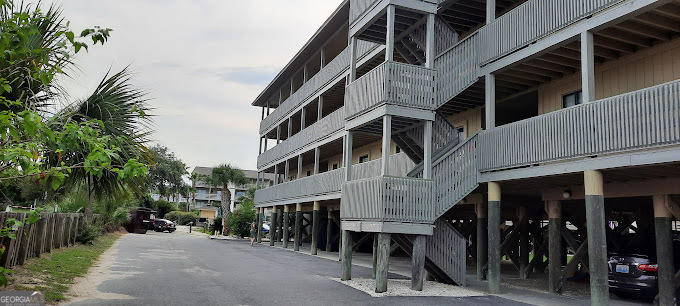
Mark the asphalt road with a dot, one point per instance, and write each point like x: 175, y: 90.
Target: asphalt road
x: 184, y: 269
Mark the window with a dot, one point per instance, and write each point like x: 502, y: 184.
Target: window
x: 309, y: 172
x: 398, y: 149
x: 571, y: 99
x: 363, y: 158
x: 335, y: 166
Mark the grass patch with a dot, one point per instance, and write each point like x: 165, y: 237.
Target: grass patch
x: 200, y: 230
x: 54, y: 272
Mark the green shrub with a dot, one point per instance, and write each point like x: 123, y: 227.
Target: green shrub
x: 88, y: 232
x: 163, y: 207
x: 181, y: 217
x: 240, y: 221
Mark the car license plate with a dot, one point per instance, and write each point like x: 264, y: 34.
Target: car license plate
x: 622, y: 268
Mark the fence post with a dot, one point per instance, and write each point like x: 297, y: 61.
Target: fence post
x: 24, y: 241
x: 49, y: 232
x: 40, y: 237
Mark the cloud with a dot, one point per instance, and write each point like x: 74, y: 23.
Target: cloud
x: 249, y: 75
x: 204, y: 62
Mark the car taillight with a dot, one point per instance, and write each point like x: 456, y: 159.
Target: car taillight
x: 649, y: 268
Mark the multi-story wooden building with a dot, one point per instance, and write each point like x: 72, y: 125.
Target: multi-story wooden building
x: 476, y: 129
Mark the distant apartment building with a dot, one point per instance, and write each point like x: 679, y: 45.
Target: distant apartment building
x: 476, y: 131
x: 207, y: 195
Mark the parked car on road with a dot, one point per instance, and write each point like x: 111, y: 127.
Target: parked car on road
x: 161, y: 225
x: 633, y: 271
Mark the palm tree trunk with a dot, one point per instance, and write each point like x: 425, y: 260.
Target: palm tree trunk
x: 226, y: 209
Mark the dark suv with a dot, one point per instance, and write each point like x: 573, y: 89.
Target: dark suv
x: 161, y: 225
x: 633, y: 272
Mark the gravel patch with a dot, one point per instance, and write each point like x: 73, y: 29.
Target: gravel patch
x: 402, y: 287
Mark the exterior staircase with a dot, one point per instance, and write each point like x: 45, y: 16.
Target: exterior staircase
x: 455, y: 175
x: 412, y: 45
x: 444, y: 253
x: 444, y: 136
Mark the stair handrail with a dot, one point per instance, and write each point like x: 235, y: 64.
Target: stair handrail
x: 443, y: 153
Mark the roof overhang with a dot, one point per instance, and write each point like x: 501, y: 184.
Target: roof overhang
x: 336, y: 21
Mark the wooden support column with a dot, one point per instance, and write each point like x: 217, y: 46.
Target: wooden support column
x: 260, y: 212
x: 523, y: 242
x: 317, y: 155
x: 315, y: 227
x: 286, y: 225
x: 278, y: 134
x: 346, y: 255
x: 279, y: 223
x: 386, y: 141
x: 382, y: 265
x: 329, y: 228
x: 482, y: 236
x: 299, y: 167
x: 429, y: 53
x: 490, y: 100
x: 427, y: 150
x: 597, y: 243
x: 494, y: 215
x: 664, y: 249
x: 490, y: 11
x: 348, y: 156
x: 375, y: 254
x: 290, y: 127
x: 298, y: 227
x: 286, y: 171
x: 272, y: 227
x: 352, y: 60
x: 303, y: 116
x: 554, y: 209
x: 587, y: 67
x: 389, y: 39
x: 418, y: 263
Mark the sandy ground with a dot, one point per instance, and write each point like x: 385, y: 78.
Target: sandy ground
x: 402, y: 287
x: 86, y: 287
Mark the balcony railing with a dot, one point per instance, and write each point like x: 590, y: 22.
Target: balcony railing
x: 315, y: 132
x: 532, y: 21
x: 388, y: 199
x: 327, y: 74
x: 331, y: 181
x: 641, y: 119
x: 391, y: 83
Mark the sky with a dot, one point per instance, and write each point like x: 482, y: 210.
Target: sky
x: 203, y: 62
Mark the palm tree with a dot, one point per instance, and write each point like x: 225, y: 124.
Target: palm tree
x: 122, y: 109
x: 222, y: 176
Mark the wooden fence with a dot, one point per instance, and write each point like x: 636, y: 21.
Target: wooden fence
x: 52, y: 231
